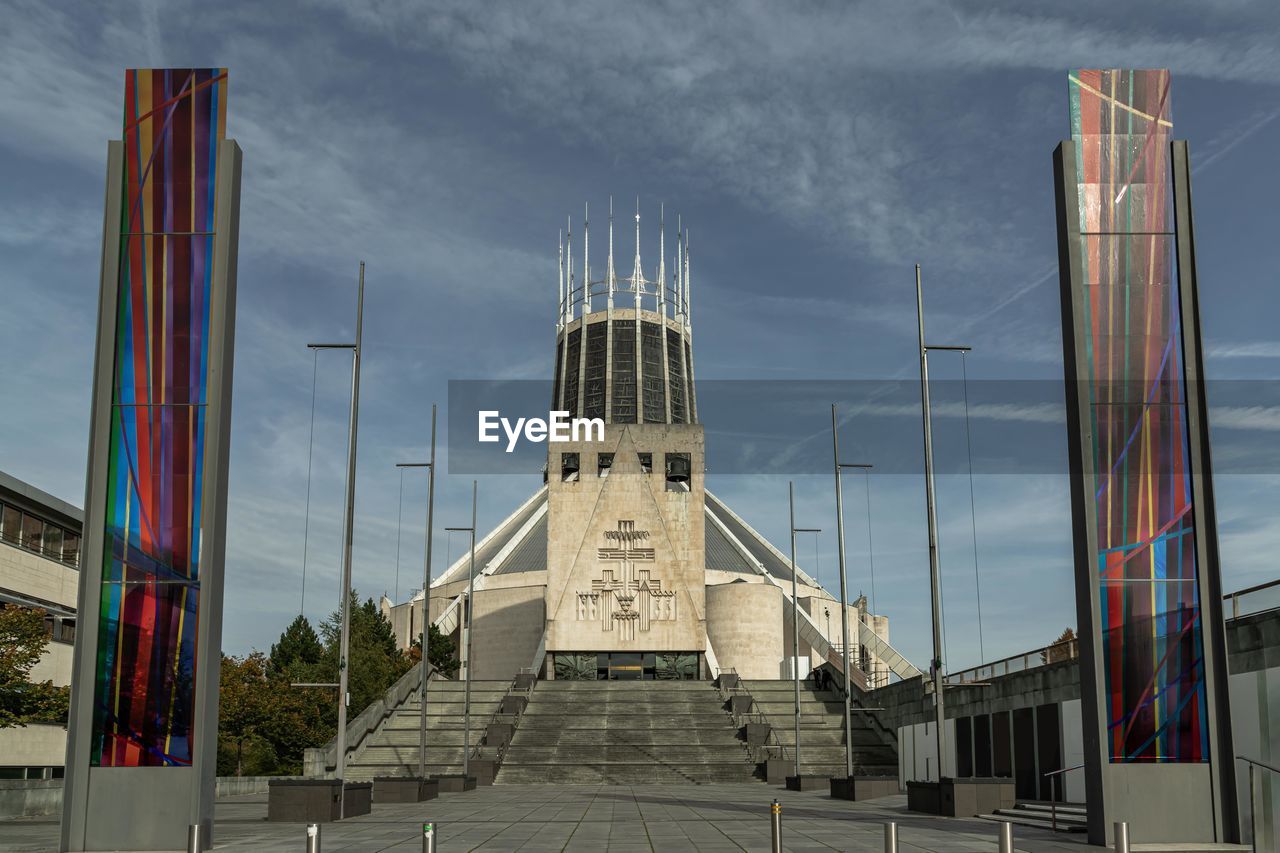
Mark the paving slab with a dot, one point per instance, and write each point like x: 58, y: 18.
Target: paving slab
x: 599, y: 819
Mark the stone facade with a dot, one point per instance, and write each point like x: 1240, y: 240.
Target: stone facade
x: 625, y: 564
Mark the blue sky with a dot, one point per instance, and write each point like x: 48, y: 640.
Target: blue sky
x: 815, y: 151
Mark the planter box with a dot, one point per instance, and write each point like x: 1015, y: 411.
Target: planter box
x: 864, y: 787
x: 739, y: 704
x: 455, y: 783
x: 776, y: 770
x: 758, y: 733
x: 808, y: 783
x: 970, y: 797
x: 316, y: 800
x: 961, y: 797
x: 404, y: 789
x: 727, y: 680
x: 513, y: 704
x: 483, y: 770
x: 923, y: 797
x: 525, y: 680
x: 498, y: 734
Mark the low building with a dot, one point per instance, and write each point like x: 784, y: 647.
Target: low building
x: 39, y: 568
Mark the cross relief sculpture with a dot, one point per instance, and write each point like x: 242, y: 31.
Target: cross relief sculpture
x: 626, y: 595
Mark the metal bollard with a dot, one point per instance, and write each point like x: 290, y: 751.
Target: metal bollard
x: 429, y: 837
x: 1121, y: 830
x: 891, y: 837
x: 195, y: 839
x: 1006, y: 837
x: 775, y: 824
x: 313, y: 838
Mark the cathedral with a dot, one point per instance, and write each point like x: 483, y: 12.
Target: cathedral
x: 623, y: 565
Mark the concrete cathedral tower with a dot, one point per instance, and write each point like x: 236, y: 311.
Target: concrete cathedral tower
x: 622, y: 565
x: 625, y: 550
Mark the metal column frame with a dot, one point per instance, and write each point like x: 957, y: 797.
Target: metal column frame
x: 162, y: 802
x: 1213, y: 625
x: 1139, y: 793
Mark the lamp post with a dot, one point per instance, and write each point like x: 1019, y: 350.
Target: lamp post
x: 935, y: 575
x: 795, y: 612
x: 426, y: 598
x: 844, y: 597
x: 467, y: 613
x: 344, y: 644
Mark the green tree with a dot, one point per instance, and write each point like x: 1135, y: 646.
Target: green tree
x: 23, y: 642
x: 374, y: 661
x: 244, y: 699
x: 444, y: 653
x: 299, y: 646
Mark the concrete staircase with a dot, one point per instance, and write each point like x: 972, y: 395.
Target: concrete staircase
x: 1065, y: 817
x: 392, y: 750
x: 626, y: 732
x: 822, y: 751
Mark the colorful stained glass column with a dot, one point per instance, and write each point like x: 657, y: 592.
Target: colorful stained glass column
x: 1153, y: 671
x: 142, y: 748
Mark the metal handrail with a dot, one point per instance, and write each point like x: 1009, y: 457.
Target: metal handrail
x: 1042, y: 656
x: 1253, y: 805
x: 1234, y: 597
x: 1053, y: 792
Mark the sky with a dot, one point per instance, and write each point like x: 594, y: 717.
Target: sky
x: 815, y: 151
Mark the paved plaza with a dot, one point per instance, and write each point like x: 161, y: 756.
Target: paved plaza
x: 595, y: 818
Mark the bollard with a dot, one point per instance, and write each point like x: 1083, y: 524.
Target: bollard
x: 1006, y: 837
x: 775, y: 822
x: 313, y: 838
x: 1122, y: 836
x: 195, y: 839
x: 891, y: 837
x: 429, y: 838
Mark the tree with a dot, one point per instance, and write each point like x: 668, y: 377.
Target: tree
x: 1062, y: 648
x: 299, y: 646
x: 244, y: 692
x: 443, y: 655
x: 23, y: 642
x: 374, y: 662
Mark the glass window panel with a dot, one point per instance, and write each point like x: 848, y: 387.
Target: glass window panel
x: 52, y: 544
x: 32, y: 531
x: 71, y: 549
x: 10, y: 524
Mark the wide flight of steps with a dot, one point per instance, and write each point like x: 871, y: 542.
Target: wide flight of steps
x: 1070, y: 817
x: 392, y: 750
x: 822, y: 751
x: 626, y: 732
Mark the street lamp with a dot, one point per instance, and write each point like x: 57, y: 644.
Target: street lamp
x: 344, y: 644
x: 844, y: 598
x: 425, y: 666
x: 795, y: 613
x: 468, y: 614
x: 935, y: 572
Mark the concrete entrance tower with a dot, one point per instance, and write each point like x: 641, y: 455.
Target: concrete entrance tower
x: 626, y: 573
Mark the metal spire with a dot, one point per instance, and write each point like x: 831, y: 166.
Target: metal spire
x: 662, y: 262
x: 679, y: 286
x: 687, y: 288
x: 568, y: 302
x: 586, y: 256
x: 611, y: 278
x: 637, y: 274
x: 560, y: 277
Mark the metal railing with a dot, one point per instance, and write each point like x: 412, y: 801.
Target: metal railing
x: 1053, y: 653
x: 756, y: 717
x: 1254, y: 599
x: 1254, y: 766
x: 1053, y: 792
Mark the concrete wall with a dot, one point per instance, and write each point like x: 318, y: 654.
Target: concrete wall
x: 38, y: 577
x: 1253, y: 658
x: 508, y: 628
x: 36, y: 745
x: 586, y: 609
x: 744, y: 626
x: 31, y: 797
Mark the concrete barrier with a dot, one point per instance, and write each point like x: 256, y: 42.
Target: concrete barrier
x: 34, y: 797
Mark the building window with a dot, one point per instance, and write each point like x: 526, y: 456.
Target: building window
x: 52, y: 544
x: 10, y: 524
x: 604, y: 461
x: 679, y: 472
x: 568, y: 467
x: 646, y: 463
x: 32, y: 532
x: 70, y: 549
